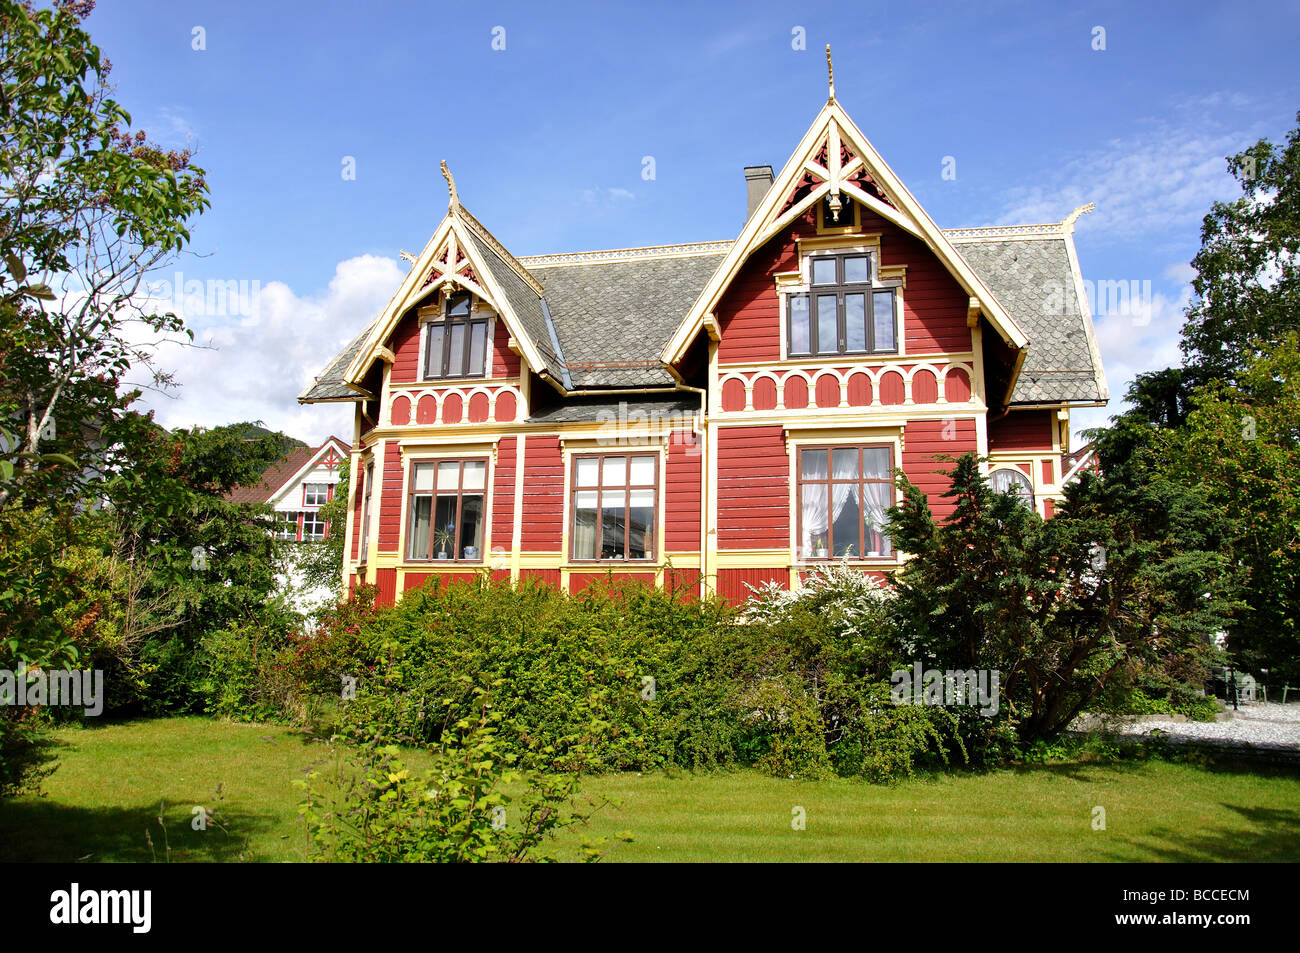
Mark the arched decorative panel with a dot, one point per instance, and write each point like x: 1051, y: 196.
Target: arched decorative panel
x: 956, y: 386
x: 892, y: 390
x: 828, y: 391
x: 796, y: 392
x: 733, y: 394
x: 859, y: 390
x: 506, y: 407
x: 925, y: 387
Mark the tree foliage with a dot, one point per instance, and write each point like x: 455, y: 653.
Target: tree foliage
x: 88, y: 208
x: 1130, y: 571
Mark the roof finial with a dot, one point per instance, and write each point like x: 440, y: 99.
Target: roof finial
x: 454, y: 199
x: 1074, y: 216
x: 830, y: 73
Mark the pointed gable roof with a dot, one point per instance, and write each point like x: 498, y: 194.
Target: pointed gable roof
x: 463, y: 253
x: 833, y: 158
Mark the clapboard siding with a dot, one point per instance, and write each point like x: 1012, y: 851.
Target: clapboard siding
x: 923, y: 440
x: 390, y: 503
x: 503, y: 496
x: 682, y: 494
x: 1022, y: 430
x: 753, y: 489
x: 543, y: 492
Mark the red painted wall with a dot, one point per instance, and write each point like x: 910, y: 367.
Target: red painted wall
x: 934, y: 304
x: 682, y: 494
x: 1022, y: 430
x: 549, y: 577
x: 922, y: 439
x: 753, y: 489
x: 386, y: 582
x: 579, y: 581
x: 390, y: 504
x: 543, y: 491
x: 503, y: 495
x: 358, y: 503
x: 405, y: 345
x: 731, y: 582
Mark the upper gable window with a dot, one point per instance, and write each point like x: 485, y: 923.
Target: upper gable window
x: 456, y: 343
x: 846, y: 309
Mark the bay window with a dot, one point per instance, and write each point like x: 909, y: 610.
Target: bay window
x: 844, y: 493
x: 445, y: 510
x: 613, y: 505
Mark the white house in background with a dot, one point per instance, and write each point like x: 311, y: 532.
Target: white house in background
x: 296, y: 488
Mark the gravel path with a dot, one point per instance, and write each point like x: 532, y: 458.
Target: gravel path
x: 1264, y: 725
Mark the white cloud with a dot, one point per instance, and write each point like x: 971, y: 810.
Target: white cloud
x: 1144, y: 338
x: 1162, y: 176
x: 604, y: 198
x: 252, y: 367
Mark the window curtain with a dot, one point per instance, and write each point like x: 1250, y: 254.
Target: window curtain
x: 813, y: 501
x: 817, y: 514
x: 873, y: 511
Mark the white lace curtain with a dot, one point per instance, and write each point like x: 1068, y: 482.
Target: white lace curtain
x: 817, y: 515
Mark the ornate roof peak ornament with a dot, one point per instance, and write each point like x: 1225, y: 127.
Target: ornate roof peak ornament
x: 454, y: 199
x: 830, y: 74
x: 1074, y: 216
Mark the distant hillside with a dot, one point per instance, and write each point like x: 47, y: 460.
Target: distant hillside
x: 251, y: 431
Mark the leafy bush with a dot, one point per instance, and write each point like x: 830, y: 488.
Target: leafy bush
x: 630, y: 658
x: 472, y: 805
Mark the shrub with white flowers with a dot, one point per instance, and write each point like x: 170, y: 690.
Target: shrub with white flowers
x: 853, y: 602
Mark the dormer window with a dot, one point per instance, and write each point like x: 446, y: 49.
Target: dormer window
x: 455, y: 343
x: 846, y: 310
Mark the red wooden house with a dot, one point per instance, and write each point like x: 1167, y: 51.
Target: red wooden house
x: 725, y: 412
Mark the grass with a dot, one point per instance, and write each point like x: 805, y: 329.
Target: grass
x: 107, y: 791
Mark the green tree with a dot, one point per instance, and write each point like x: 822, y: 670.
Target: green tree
x: 1242, y: 444
x: 1247, y: 280
x: 1130, y: 571
x: 88, y: 209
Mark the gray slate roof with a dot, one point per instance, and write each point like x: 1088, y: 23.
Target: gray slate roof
x: 525, y: 303
x: 650, y: 406
x: 620, y: 314
x: 1032, y: 279
x: 604, y: 322
x: 329, y: 385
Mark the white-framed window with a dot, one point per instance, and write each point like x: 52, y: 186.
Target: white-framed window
x: 844, y: 494
x: 364, y: 544
x: 315, y: 494
x: 614, y: 500
x: 1013, y: 481
x: 286, y: 526
x: 446, y: 510
x: 455, y: 342
x: 846, y: 307
x: 313, y: 527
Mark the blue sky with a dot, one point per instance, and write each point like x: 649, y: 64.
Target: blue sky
x: 546, y: 140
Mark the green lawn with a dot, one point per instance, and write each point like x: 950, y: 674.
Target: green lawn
x: 106, y: 794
